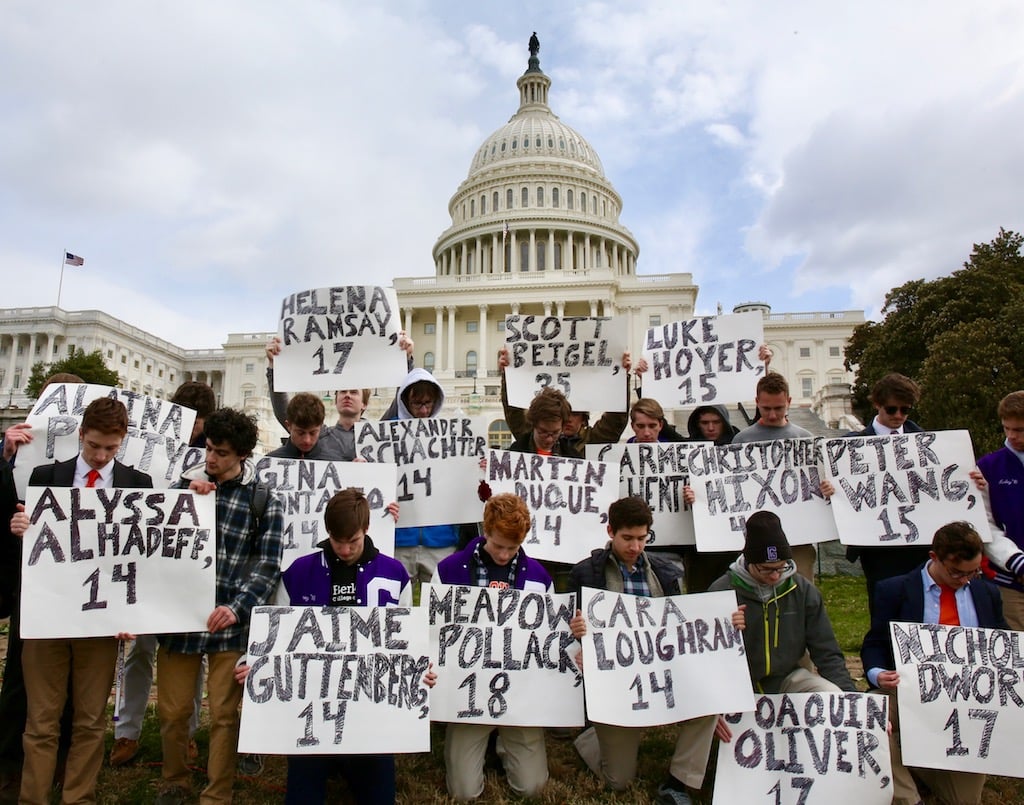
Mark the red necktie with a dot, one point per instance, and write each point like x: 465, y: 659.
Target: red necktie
x: 948, y: 615
x: 91, y: 478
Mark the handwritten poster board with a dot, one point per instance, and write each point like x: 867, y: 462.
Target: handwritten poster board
x: 961, y: 697
x: 643, y: 658
x: 568, y: 499
x: 581, y: 356
x: 96, y: 562
x: 808, y: 748
x: 438, y: 462
x: 340, y: 338
x: 336, y: 680
x: 657, y: 472
x: 900, y: 488
x: 702, y: 361
x: 496, y: 650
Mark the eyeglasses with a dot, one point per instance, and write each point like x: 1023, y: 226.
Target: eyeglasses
x: 960, y: 575
x: 772, y: 570
x: 546, y: 434
x: 421, y: 405
x: 892, y: 409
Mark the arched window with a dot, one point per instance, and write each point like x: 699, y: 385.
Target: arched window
x: 526, y: 197
x: 568, y: 199
x: 542, y: 251
x: 524, y: 255
x: 508, y: 199
x: 593, y: 204
x: 472, y: 207
x: 558, y: 256
x: 428, y: 361
x: 540, y: 196
x: 583, y: 202
x: 483, y: 205
x: 494, y: 201
x: 471, y: 362
x: 554, y: 197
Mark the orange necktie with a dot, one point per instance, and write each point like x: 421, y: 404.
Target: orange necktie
x: 91, y: 477
x: 948, y: 615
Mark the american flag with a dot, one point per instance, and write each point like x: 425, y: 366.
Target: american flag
x: 504, y: 234
x: 73, y: 259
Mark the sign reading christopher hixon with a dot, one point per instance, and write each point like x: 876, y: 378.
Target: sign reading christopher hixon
x: 96, y: 562
x: 580, y: 356
x: 712, y: 359
x: 340, y: 338
x: 807, y: 748
x: 336, y: 681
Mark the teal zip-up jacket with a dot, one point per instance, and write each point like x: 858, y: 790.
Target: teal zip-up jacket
x: 783, y: 622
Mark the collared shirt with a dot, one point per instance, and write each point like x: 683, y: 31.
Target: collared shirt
x: 634, y: 582
x: 882, y: 430
x: 1017, y: 453
x: 82, y: 470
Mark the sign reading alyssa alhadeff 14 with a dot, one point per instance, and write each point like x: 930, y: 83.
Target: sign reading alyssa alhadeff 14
x: 496, y: 649
x: 336, y: 681
x: 340, y: 338
x: 644, y: 658
x: 568, y: 499
x: 732, y: 481
x: 580, y: 356
x: 808, y: 748
x: 900, y: 488
x: 96, y: 562
x: 961, y: 695
x: 711, y: 359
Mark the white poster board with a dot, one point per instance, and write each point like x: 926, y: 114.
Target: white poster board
x: 438, y: 462
x: 644, y: 659
x: 704, y: 361
x: 568, y: 499
x: 336, y: 681
x: 900, y: 488
x: 808, y: 748
x: 503, y: 657
x: 733, y: 481
x: 96, y: 562
x: 340, y: 338
x: 657, y: 472
x: 961, y: 698
x: 581, y: 356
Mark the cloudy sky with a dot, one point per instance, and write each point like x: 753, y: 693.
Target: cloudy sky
x: 208, y: 158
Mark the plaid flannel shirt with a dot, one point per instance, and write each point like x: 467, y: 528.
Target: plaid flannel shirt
x: 248, y: 564
x: 635, y: 583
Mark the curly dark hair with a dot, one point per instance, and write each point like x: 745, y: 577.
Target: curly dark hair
x: 234, y: 427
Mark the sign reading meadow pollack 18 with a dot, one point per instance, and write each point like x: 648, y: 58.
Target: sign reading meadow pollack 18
x: 504, y: 657
x: 961, y: 697
x: 336, y: 681
x: 807, y: 748
x: 568, y: 500
x: 438, y: 462
x: 581, y: 356
x: 650, y: 661
x: 733, y: 481
x: 158, y: 431
x: 899, y: 489
x: 96, y: 562
x: 711, y: 359
x: 339, y: 338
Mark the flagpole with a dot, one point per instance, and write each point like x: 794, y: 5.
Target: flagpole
x: 60, y: 285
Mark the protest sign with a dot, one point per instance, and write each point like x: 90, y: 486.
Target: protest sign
x: 900, y: 488
x: 961, y: 697
x: 707, y: 360
x: 438, y: 466
x: 97, y: 561
x: 580, y: 356
x: 340, y: 338
x: 656, y: 472
x: 733, y: 481
x: 336, y: 681
x: 305, y: 488
x: 504, y: 657
x: 645, y: 658
x: 806, y: 748
x: 568, y: 500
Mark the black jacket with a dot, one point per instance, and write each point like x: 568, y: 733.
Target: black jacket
x: 590, y: 572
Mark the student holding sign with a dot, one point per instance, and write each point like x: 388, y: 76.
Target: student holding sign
x: 303, y: 421
x: 947, y: 589
x: 89, y: 661
x: 624, y: 566
x: 496, y: 560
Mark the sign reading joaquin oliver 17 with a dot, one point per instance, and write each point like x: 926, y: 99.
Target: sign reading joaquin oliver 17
x: 900, y: 488
x: 336, y: 681
x: 568, y: 500
x: 158, y: 431
x: 650, y: 661
x: 961, y: 697
x: 581, y: 356
x: 712, y: 359
x: 808, y: 748
x: 504, y: 657
x: 438, y: 462
x: 96, y: 562
x: 334, y: 338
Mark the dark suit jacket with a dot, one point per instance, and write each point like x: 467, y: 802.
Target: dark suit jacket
x: 62, y: 473
x: 908, y: 427
x: 901, y: 598
x: 10, y: 545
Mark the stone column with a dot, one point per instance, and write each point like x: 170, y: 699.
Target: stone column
x: 531, y: 255
x: 450, y: 357
x: 481, y: 362
x: 513, y: 261
x: 551, y: 250
x: 569, y: 251
x: 587, y: 262
x: 408, y: 321
x: 438, y: 328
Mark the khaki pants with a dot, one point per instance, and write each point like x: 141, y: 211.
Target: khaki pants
x: 611, y: 751
x: 176, y: 682
x: 521, y: 750
x: 1013, y: 608
x: 806, y: 559
x: 801, y: 680
x: 47, y: 664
